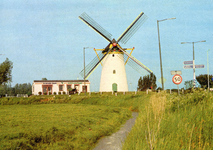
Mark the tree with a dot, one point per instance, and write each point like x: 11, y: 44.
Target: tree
x: 203, y: 80
x: 188, y: 84
x: 23, y: 88
x: 5, y: 71
x: 148, y: 81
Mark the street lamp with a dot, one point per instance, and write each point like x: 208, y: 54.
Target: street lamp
x: 84, y: 68
x: 161, y: 68
x: 193, y: 56
x: 208, y: 66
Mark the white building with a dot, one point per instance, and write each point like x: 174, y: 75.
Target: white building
x: 59, y: 86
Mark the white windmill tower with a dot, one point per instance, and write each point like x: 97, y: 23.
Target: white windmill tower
x: 114, y: 58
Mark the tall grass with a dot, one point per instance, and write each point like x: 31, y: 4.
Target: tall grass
x: 63, y: 122
x: 57, y: 126
x: 174, y: 122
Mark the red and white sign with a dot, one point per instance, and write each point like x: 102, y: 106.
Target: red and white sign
x: 177, y: 79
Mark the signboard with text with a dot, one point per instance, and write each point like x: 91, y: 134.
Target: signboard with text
x: 187, y: 62
x: 191, y: 66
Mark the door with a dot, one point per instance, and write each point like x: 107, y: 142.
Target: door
x: 47, y: 89
x: 84, y: 88
x: 114, y: 87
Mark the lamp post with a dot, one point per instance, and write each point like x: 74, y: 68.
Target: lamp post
x: 161, y: 68
x: 208, y: 66
x: 193, y: 56
x: 84, y: 68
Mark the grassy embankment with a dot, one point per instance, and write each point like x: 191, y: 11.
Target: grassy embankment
x: 174, y: 122
x: 63, y: 122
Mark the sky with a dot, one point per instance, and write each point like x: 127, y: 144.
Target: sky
x: 45, y: 38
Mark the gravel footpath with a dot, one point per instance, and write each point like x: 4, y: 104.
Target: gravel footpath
x: 114, y: 141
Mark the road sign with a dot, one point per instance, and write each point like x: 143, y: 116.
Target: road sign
x: 187, y: 62
x: 191, y: 66
x: 177, y: 79
x: 199, y: 66
x: 176, y: 72
x: 164, y: 80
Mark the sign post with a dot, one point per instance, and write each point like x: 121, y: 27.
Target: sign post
x: 177, y: 79
x: 191, y: 65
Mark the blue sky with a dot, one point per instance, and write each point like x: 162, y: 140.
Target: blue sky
x: 45, y: 38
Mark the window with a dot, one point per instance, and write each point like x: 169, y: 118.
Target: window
x: 69, y: 87
x: 60, y: 87
x: 114, y: 72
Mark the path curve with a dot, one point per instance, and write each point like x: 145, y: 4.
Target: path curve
x: 114, y: 141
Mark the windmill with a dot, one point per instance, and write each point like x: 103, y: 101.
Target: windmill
x: 113, y: 57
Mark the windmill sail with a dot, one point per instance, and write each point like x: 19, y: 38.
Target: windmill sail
x: 91, y: 64
x: 94, y: 65
x: 134, y: 63
x: 130, y: 31
x: 95, y: 26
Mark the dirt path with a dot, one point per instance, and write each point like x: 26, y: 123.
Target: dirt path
x: 114, y: 141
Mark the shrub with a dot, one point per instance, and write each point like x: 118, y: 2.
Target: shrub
x: 59, y: 93
x: 39, y: 93
x: 64, y: 93
x: 50, y: 93
x: 45, y: 93
x: 54, y: 93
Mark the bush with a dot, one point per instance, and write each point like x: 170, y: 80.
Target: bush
x: 59, y: 93
x: 39, y: 93
x: 45, y: 93
x: 64, y: 93
x: 50, y: 93
x: 54, y: 93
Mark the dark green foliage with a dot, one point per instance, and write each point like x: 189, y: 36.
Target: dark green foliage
x: 17, y: 89
x: 190, y: 84
x: 148, y: 81
x: 203, y: 80
x: 5, y: 71
x: 25, y: 88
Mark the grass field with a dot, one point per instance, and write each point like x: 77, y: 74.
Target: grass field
x: 174, y: 122
x: 165, y: 121
x: 63, y: 122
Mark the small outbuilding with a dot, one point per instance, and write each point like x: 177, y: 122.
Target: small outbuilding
x: 49, y: 87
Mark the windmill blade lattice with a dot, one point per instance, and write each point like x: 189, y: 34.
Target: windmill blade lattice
x: 135, y: 65
x: 94, y: 65
x: 94, y: 25
x: 135, y: 61
x: 130, y: 31
x: 91, y: 64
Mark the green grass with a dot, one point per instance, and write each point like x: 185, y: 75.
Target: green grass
x: 57, y: 126
x: 165, y: 121
x: 63, y: 122
x: 174, y: 122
